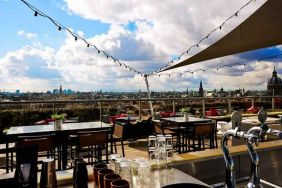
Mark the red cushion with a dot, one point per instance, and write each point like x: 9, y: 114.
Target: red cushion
x: 113, y: 118
x: 253, y: 109
x: 123, y: 115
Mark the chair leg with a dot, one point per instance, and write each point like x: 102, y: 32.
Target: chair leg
x: 107, y: 159
x: 115, y: 145
x: 122, y: 148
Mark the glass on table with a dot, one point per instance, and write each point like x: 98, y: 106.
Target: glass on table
x: 25, y: 174
x: 112, y: 161
x: 144, y: 172
x: 152, y: 142
x: 168, y: 139
x: 161, y: 158
x: 169, y: 156
x: 125, y: 170
x: 117, y: 164
x: 161, y: 143
x: 134, y: 165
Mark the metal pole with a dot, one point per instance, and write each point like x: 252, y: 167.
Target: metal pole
x: 149, y: 93
x: 253, y: 102
x: 173, y: 102
x: 204, y: 107
x: 139, y: 109
x: 229, y: 106
x: 100, y: 108
x: 273, y: 104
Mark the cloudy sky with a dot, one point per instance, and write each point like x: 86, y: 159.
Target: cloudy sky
x: 144, y: 34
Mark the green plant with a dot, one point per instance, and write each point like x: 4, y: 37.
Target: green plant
x: 185, y: 110
x: 58, y: 116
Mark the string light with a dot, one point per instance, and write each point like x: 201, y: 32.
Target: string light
x: 207, y: 36
x: 75, y: 35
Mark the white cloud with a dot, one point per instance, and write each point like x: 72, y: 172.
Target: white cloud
x: 163, y: 29
x: 25, y: 34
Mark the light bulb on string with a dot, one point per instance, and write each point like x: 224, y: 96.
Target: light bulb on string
x: 75, y: 38
x: 88, y: 45
x: 59, y: 28
x: 35, y: 13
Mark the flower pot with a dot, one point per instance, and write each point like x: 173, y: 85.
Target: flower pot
x: 186, y: 116
x: 58, y: 124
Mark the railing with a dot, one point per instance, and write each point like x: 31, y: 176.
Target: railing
x: 99, y: 107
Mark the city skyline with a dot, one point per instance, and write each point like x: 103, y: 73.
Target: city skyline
x: 37, y: 57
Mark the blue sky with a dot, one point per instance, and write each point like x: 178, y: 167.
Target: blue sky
x: 35, y: 56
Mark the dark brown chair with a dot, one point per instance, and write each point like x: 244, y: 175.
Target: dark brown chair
x: 46, y: 144
x: 118, y: 136
x: 201, y: 132
x: 93, y: 143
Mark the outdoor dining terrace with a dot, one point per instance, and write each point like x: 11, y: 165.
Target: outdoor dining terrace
x: 98, y: 129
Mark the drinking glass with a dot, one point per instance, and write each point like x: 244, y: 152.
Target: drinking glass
x: 152, y: 142
x: 118, y: 161
x: 160, y: 141
x: 112, y: 164
x: 168, y: 139
x: 169, y: 156
x: 144, y: 171
x: 25, y: 173
x: 134, y: 165
x: 125, y: 170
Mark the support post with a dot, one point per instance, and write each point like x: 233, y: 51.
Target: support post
x: 273, y: 104
x: 173, y: 102
x: 253, y: 102
x: 204, y: 107
x: 229, y: 106
x: 100, y: 109
x: 149, y: 93
x: 139, y: 109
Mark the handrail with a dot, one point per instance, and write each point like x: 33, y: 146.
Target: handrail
x: 133, y: 99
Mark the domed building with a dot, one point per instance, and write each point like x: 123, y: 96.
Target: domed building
x: 274, y: 84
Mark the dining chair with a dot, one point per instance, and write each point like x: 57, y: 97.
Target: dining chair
x: 118, y: 135
x: 92, y: 143
x: 166, y: 128
x: 46, y: 145
x: 200, y: 133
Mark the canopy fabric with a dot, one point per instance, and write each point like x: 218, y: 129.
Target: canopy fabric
x: 262, y: 29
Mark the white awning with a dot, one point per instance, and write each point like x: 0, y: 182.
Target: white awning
x: 262, y: 29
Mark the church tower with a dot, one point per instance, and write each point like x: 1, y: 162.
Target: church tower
x: 201, y: 90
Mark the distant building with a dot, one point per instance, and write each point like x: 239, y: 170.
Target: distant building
x: 17, y: 91
x: 61, y: 89
x: 55, y: 91
x: 201, y: 90
x: 274, y: 84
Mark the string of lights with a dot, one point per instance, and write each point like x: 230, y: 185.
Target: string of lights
x: 77, y: 37
x: 201, y: 40
x: 219, y: 67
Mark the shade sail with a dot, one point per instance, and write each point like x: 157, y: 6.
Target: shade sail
x: 262, y: 29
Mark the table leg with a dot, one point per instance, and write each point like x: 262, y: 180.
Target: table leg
x: 64, y: 156
x: 7, y: 158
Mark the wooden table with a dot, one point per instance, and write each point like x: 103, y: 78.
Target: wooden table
x: 62, y: 134
x: 180, y: 122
